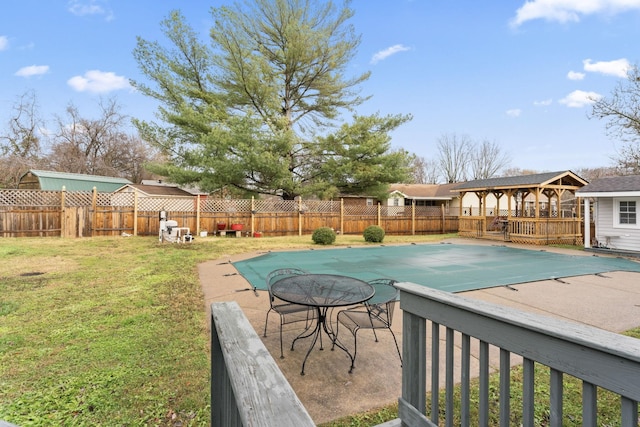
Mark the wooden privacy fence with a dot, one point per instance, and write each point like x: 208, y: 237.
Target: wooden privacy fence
x: 25, y: 213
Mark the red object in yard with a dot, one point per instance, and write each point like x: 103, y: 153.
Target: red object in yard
x: 236, y: 227
x: 222, y: 226
x: 257, y: 234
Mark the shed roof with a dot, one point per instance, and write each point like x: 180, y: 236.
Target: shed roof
x: 565, y: 178
x: 612, y: 186
x: 51, y: 180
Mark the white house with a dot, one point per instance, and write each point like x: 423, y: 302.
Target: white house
x: 615, y: 209
x: 435, y: 195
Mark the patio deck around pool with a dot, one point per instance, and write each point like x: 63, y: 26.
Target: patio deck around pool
x: 448, y: 267
x: 608, y: 301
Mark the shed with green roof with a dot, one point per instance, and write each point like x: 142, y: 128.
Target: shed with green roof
x: 56, y: 181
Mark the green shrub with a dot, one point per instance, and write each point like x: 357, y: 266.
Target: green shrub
x: 374, y: 234
x: 324, y: 236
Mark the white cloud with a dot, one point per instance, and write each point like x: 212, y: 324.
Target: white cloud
x: 90, y: 7
x: 97, y: 81
x: 32, y: 70
x: 4, y: 43
x: 580, y: 98
x: 618, y: 68
x: 575, y: 75
x: 514, y: 112
x: 384, y: 54
x: 569, y: 10
x: 543, y: 103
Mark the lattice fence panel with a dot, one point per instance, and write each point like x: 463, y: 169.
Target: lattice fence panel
x: 320, y: 206
x: 78, y: 198
x: 105, y: 199
x: 225, y: 205
x: 169, y: 204
x: 430, y: 211
x: 276, y: 206
x: 395, y: 211
x: 31, y: 198
x: 360, y: 210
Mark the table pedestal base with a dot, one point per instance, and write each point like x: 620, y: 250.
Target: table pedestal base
x: 316, y: 333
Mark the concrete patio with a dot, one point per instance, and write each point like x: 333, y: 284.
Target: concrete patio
x: 609, y: 301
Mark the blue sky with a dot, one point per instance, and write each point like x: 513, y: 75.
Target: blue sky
x: 518, y: 73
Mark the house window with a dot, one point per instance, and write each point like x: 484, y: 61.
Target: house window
x: 627, y: 212
x: 369, y: 202
x: 396, y: 201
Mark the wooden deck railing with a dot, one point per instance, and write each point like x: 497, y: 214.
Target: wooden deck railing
x: 539, y: 231
x: 598, y: 358
x: 249, y: 389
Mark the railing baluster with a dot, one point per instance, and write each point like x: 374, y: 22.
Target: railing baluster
x: 449, y: 379
x: 465, y: 367
x: 483, y: 415
x: 589, y: 404
x: 556, y: 398
x: 629, y: 412
x: 414, y: 374
x: 435, y: 371
x: 528, y: 372
x: 505, y: 387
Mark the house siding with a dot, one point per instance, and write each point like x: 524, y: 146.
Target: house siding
x: 622, y: 238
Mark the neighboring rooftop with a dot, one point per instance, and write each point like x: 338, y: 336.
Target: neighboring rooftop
x: 612, y: 184
x: 155, y: 190
x: 55, y: 181
x: 425, y: 191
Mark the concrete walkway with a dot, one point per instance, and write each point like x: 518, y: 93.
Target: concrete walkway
x: 610, y: 301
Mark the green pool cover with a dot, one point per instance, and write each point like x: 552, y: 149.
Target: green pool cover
x: 448, y: 267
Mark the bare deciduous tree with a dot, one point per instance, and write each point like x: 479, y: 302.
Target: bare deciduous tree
x: 594, y: 173
x: 487, y: 160
x: 99, y: 146
x: 424, y: 171
x: 455, y: 155
x: 20, y: 148
x: 622, y: 112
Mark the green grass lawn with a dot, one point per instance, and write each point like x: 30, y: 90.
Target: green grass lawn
x: 112, y: 331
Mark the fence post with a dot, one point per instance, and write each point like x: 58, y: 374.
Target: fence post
x: 300, y: 216
x: 379, y: 215
x: 135, y: 211
x: 197, y: 233
x: 442, y: 220
x: 253, y: 215
x: 63, y: 227
x: 342, y: 216
x: 413, y: 217
x: 94, y: 206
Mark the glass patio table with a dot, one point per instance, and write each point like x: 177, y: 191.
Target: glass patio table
x: 322, y: 292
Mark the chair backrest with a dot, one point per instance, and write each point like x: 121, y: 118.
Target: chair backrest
x: 384, y: 300
x: 281, y: 273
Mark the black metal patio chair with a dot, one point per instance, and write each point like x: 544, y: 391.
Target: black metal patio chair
x: 288, y: 312
x: 376, y: 314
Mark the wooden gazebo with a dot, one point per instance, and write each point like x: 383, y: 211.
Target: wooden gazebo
x: 537, y: 209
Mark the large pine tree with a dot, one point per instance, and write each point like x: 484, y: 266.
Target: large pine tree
x: 262, y: 108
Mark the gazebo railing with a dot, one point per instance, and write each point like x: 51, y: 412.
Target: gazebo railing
x: 539, y: 231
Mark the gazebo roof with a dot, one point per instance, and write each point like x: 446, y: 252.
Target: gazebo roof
x: 565, y: 179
